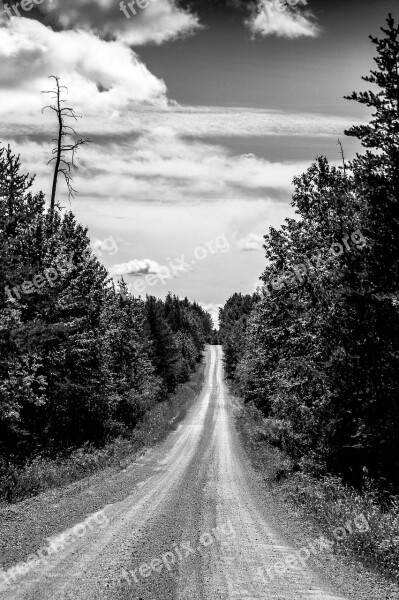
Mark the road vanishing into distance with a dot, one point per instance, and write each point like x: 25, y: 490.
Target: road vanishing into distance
x: 185, y: 521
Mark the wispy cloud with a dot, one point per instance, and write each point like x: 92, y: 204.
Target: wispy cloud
x: 134, y: 118
x: 164, y: 168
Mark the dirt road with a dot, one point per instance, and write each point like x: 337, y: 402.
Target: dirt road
x: 186, y: 520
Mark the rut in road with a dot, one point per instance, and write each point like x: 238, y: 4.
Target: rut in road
x: 194, y: 526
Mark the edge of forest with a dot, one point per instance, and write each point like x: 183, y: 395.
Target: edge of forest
x: 41, y: 474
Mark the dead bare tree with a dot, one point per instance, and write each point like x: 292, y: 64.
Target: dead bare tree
x: 342, y: 156
x: 63, y: 164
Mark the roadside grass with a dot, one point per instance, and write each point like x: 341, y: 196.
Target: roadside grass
x: 324, y: 499
x: 41, y: 474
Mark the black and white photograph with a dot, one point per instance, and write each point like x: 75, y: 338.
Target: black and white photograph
x: 199, y: 300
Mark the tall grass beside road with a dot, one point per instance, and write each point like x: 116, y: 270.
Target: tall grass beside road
x: 324, y: 500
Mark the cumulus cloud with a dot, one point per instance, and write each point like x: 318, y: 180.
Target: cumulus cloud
x: 102, y: 77
x: 156, y: 22
x: 136, y: 268
x: 275, y: 17
x: 251, y: 242
x: 145, y: 149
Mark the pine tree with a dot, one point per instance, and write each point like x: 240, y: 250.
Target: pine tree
x: 165, y: 353
x: 377, y: 173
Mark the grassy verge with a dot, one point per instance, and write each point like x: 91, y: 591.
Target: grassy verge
x: 42, y: 474
x: 325, y: 501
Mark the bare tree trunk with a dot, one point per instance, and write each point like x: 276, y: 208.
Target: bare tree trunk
x: 59, y: 150
x: 63, y: 164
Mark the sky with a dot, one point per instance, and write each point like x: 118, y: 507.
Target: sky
x: 199, y: 115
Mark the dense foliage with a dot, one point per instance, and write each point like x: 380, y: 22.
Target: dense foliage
x: 79, y: 361
x: 233, y: 322
x: 319, y: 353
x: 178, y: 330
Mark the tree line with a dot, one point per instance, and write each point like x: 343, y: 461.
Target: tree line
x: 316, y: 348
x: 81, y: 360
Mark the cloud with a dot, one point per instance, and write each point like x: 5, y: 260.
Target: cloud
x: 200, y: 121
x: 162, y: 21
x: 134, y: 119
x: 277, y: 18
x: 251, y: 242
x: 102, y: 77
x: 136, y: 268
x: 162, y: 167
x: 145, y: 149
x: 157, y: 22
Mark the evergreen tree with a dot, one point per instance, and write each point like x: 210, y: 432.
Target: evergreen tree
x: 321, y: 346
x: 165, y: 353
